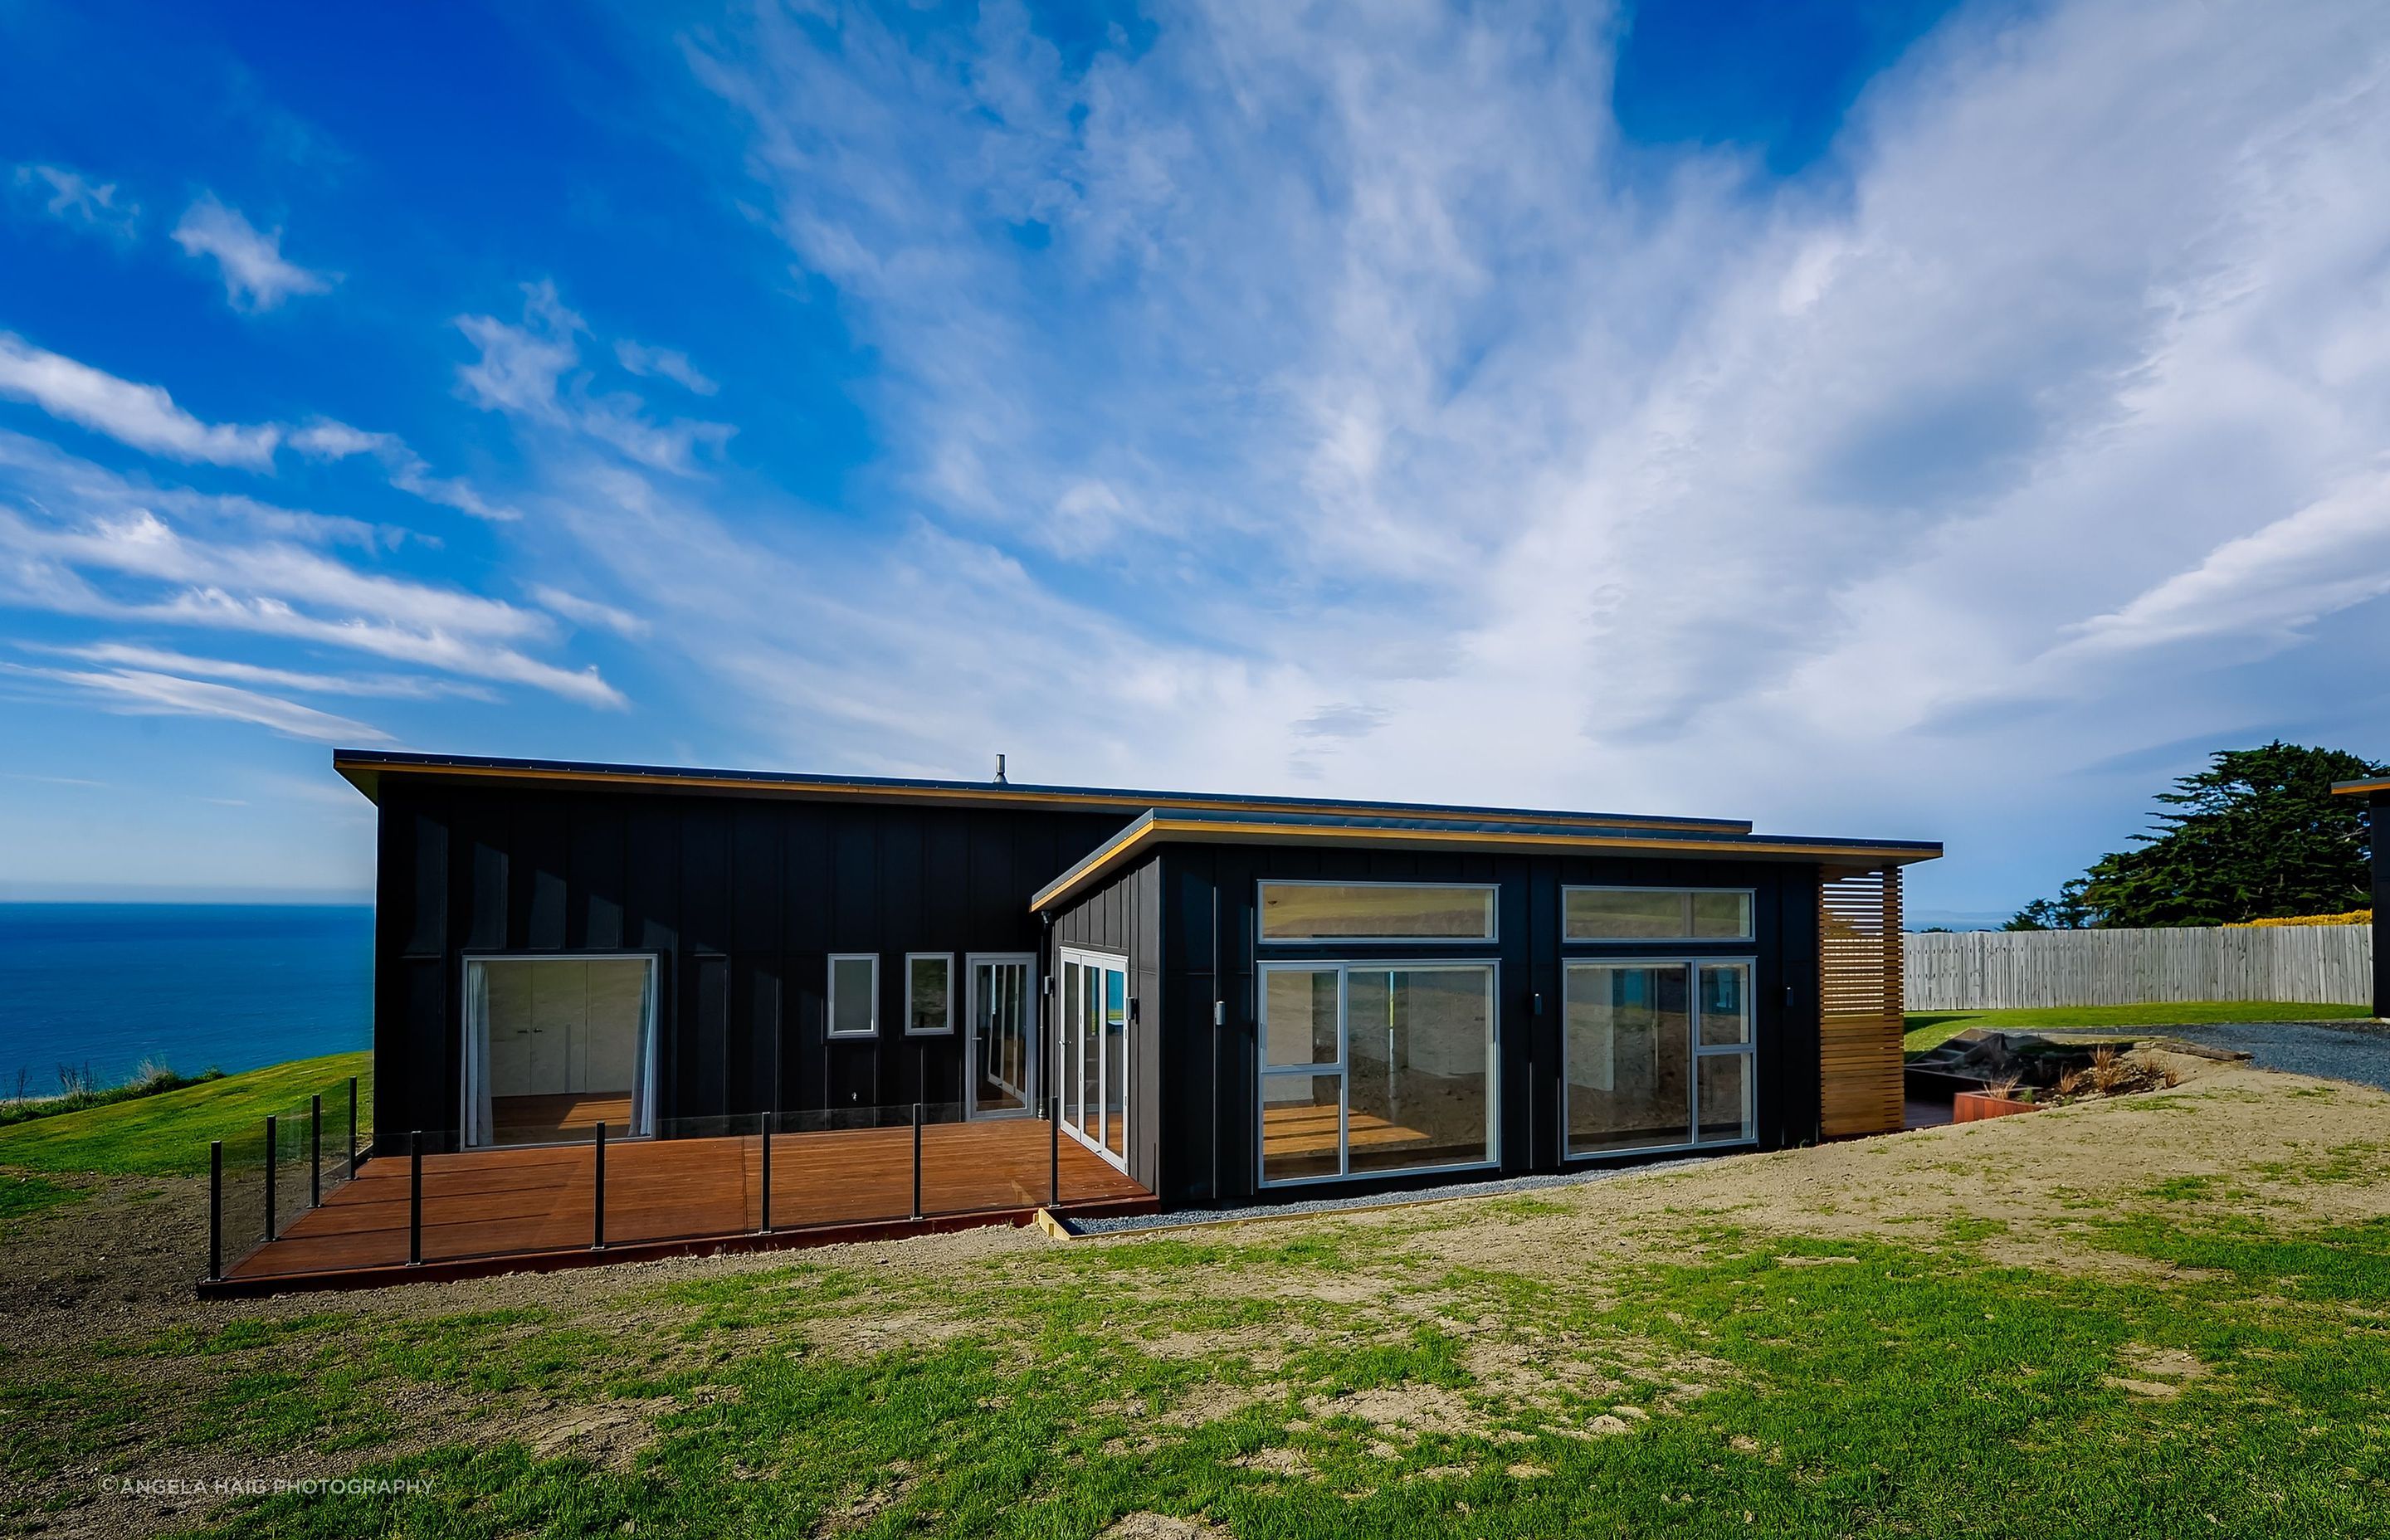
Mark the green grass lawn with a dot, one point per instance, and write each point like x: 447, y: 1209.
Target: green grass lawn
x: 168, y: 1134
x: 1843, y: 1348
x: 1930, y: 1031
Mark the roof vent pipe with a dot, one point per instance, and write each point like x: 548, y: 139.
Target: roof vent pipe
x: 999, y: 770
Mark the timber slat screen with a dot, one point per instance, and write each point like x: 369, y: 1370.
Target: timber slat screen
x: 1859, y: 1003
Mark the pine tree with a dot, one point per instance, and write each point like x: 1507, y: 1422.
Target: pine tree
x: 2256, y: 835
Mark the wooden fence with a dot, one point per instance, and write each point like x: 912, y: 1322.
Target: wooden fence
x: 1995, y: 970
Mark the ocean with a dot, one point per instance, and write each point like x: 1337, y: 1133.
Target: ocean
x: 193, y: 986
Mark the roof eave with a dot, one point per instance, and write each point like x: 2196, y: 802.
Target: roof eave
x: 1156, y: 828
x: 2359, y: 788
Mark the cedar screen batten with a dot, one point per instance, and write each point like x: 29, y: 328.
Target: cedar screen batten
x: 1860, y: 1019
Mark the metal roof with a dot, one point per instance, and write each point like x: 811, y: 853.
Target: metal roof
x: 2350, y: 789
x: 365, y: 768
x: 1174, y: 826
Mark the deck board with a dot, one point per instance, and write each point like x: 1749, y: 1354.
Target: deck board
x: 511, y: 1202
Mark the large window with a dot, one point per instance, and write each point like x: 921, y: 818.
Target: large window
x: 555, y: 1045
x: 1370, y: 1069
x: 1655, y: 914
x: 1376, y: 911
x: 1659, y: 1055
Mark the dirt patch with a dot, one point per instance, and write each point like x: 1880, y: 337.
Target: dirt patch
x: 2157, y: 1373
x: 1407, y: 1411
x: 611, y: 1434
x: 1157, y: 1526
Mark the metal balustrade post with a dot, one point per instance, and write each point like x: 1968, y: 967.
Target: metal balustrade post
x: 767, y: 1226
x: 916, y: 1159
x: 314, y: 1151
x: 216, y: 1209
x: 415, y: 1198
x: 273, y: 1160
x: 1054, y: 1151
x: 352, y: 1127
x: 597, y: 1195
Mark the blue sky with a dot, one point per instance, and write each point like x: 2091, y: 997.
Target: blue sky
x: 1879, y: 419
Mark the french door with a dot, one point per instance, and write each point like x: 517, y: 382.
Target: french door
x: 1002, y: 1046
x: 1091, y: 1052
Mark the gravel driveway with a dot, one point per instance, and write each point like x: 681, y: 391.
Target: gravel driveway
x: 2357, y: 1051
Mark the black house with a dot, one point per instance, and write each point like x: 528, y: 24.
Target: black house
x: 1223, y: 996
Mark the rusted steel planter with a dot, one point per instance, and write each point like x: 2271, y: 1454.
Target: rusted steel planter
x: 1976, y: 1106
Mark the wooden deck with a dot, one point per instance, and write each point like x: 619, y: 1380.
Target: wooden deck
x: 490, y: 1211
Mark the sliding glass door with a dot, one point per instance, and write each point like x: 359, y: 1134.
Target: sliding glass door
x: 1092, y: 1052
x: 1374, y: 1069
x: 1659, y: 1055
x: 555, y: 1045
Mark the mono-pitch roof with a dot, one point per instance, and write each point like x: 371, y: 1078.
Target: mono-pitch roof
x: 365, y: 768
x: 1191, y: 826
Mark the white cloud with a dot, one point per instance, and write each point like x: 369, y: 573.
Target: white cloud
x: 143, y: 417
x: 84, y: 542
x: 327, y: 440
x: 665, y: 363
x: 522, y: 372
x: 74, y: 197
x: 387, y: 686
x: 141, y: 693
x: 1352, y: 360
x: 590, y: 612
x: 256, y: 276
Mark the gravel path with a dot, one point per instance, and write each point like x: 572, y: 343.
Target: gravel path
x: 2357, y: 1051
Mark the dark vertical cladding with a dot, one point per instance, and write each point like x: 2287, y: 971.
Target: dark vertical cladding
x: 1205, y: 932
x: 1123, y: 918
x: 740, y: 899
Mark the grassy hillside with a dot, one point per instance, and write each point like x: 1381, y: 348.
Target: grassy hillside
x: 1929, y: 1031
x: 167, y: 1135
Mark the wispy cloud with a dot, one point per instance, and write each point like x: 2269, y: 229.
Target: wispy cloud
x: 143, y: 417
x: 590, y: 612
x: 256, y: 276
x: 75, y: 198
x: 82, y: 541
x: 1340, y: 353
x: 524, y: 372
x: 388, y: 687
x: 137, y: 692
x: 323, y: 438
x: 665, y: 363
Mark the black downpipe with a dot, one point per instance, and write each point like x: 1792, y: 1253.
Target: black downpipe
x: 1219, y: 1032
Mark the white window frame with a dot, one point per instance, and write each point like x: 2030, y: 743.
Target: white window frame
x: 1343, y: 1066
x: 1033, y: 1061
x: 1109, y: 962
x: 643, y: 1089
x: 1750, y: 909
x: 948, y: 1029
x: 1748, y: 1049
x: 830, y: 997
x: 1261, y: 895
